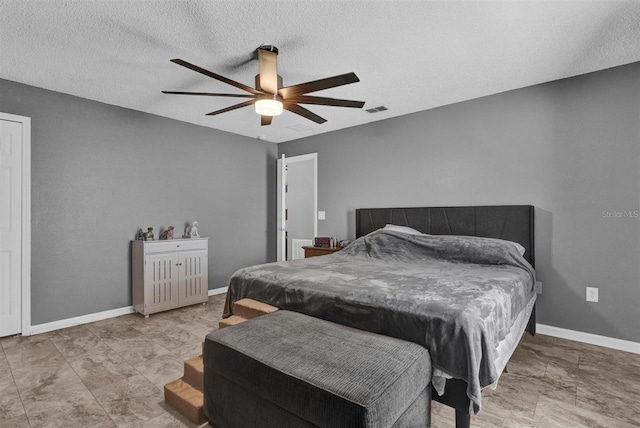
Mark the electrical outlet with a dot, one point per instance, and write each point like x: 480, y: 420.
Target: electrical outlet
x: 539, y: 287
x: 592, y: 294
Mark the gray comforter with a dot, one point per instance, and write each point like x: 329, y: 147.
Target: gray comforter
x: 456, y: 295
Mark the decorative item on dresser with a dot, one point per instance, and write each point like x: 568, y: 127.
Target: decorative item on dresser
x: 319, y: 251
x: 148, y: 235
x: 169, y: 274
x: 191, y: 230
x: 321, y: 241
x: 167, y: 234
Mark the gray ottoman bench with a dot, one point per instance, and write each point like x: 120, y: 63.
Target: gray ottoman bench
x: 287, y: 369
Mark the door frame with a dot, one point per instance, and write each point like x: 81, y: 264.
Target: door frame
x: 282, y: 200
x: 26, y: 218
x: 281, y: 237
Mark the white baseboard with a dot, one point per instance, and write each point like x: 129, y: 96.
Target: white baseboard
x: 84, y: 319
x: 220, y: 290
x: 593, y: 339
x: 98, y: 316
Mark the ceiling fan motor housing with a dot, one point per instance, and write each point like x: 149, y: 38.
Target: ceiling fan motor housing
x: 258, y: 87
x: 269, y: 48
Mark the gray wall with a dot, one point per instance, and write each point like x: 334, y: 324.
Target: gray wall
x: 569, y: 147
x: 100, y: 172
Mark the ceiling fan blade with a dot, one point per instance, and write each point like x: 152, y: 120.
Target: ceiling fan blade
x: 210, y: 94
x: 323, y: 101
x: 233, y: 107
x: 265, y: 120
x: 267, y: 63
x: 216, y: 76
x: 318, y: 85
x: 295, y: 108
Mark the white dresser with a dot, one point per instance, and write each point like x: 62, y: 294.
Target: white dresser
x: 169, y: 274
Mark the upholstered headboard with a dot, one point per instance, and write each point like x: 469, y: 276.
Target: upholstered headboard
x: 511, y: 222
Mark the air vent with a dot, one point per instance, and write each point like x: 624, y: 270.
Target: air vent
x: 300, y: 127
x: 377, y: 109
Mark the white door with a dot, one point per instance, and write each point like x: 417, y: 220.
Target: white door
x: 289, y: 208
x: 11, y: 217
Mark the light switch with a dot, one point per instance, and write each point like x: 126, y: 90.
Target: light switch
x: 321, y: 215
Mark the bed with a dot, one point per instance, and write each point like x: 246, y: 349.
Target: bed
x: 466, y: 298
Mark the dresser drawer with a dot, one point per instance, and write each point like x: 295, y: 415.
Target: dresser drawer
x: 319, y: 251
x: 174, y: 245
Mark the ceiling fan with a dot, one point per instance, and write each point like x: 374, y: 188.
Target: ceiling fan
x: 269, y: 96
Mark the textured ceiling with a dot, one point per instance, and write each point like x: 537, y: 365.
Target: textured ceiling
x: 409, y: 55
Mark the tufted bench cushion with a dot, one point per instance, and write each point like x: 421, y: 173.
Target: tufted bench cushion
x: 286, y: 369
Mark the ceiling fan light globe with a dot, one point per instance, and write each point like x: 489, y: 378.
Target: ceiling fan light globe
x: 268, y: 107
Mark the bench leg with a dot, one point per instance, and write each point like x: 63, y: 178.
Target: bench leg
x: 463, y: 419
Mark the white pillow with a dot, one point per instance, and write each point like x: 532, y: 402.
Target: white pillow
x: 402, y: 229
x: 519, y: 247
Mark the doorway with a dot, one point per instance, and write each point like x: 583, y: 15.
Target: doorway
x: 297, y: 204
x: 15, y: 224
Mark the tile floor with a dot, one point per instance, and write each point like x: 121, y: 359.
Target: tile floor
x: 111, y: 373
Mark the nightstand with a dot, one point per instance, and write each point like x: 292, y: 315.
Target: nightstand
x: 310, y: 251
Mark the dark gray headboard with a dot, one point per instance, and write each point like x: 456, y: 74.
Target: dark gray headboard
x: 511, y: 222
